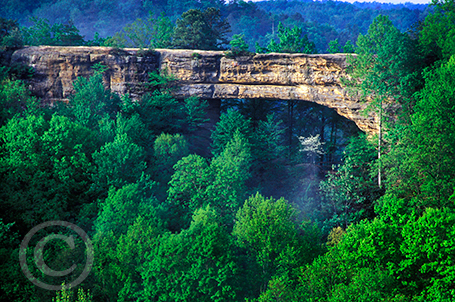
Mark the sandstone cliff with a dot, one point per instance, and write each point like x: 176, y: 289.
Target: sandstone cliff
x: 208, y: 74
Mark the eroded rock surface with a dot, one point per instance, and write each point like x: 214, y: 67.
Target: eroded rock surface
x: 208, y: 74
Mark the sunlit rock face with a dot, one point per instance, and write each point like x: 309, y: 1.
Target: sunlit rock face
x: 57, y: 67
x: 208, y: 74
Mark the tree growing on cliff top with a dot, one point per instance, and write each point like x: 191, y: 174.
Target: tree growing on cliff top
x: 57, y: 34
x: 151, y: 32
x: 198, y: 29
x: 9, y: 33
x: 291, y: 40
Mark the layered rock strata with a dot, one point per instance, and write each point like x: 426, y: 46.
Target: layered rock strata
x: 208, y: 74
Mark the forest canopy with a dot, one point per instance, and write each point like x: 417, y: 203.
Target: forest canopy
x: 321, y: 22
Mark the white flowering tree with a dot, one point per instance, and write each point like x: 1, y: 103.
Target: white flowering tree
x: 312, y: 145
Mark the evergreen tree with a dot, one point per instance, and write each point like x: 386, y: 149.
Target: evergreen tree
x: 229, y: 123
x: 198, y: 29
x: 291, y: 41
x: 10, y: 35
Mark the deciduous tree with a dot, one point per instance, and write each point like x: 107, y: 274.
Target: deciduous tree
x: 194, y: 265
x: 384, y: 71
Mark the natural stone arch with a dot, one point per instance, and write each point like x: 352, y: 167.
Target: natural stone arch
x: 313, y: 78
x: 208, y: 74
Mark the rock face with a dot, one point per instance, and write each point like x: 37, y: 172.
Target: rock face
x: 208, y: 74
x: 57, y: 67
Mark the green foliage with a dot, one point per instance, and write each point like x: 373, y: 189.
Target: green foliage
x: 121, y: 208
x: 267, y: 228
x: 341, y: 198
x: 238, y: 47
x: 168, y: 150
x: 349, y: 192
x: 279, y: 289
x: 263, y: 136
x: 187, y: 187
x: 334, y: 47
x: 67, y: 295
x: 427, y: 169
x: 229, y: 123
x: 195, y: 113
x: 196, y: 55
x: 132, y: 250
x: 238, y: 43
x: 42, y: 33
x: 366, y: 285
x: 91, y: 101
x: 10, y: 36
x: 120, y: 258
x: 348, y: 47
x: 163, y: 31
x: 267, y: 151
x: 15, y: 99
x: 364, y: 253
x: 95, y: 162
x: 255, y: 221
x: 131, y: 125
x: 161, y: 81
x: 402, y: 254
x: 433, y: 118
x: 45, y: 170
x: 438, y: 30
x: 14, y: 286
x: 221, y: 184
x: 428, y: 247
x: 230, y: 169
x: 108, y: 270
x: 385, y: 73
x: 386, y: 65
x: 399, y: 257
x: 269, y: 135
x: 198, y: 29
x: 144, y: 33
x: 157, y: 109
x: 119, y: 162
x: 97, y: 41
x: 291, y: 41
x: 126, y: 230
x: 322, y: 21
x: 119, y: 40
x: 194, y: 265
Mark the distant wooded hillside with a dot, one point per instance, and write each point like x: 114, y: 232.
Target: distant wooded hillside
x: 322, y: 21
